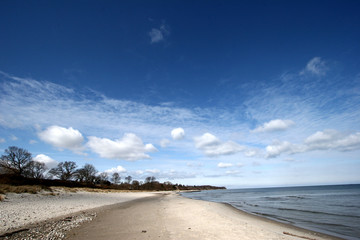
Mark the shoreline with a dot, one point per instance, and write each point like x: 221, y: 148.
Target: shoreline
x: 171, y: 216
x: 286, y: 225
x: 167, y: 215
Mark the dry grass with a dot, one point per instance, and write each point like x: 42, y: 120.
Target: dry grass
x: 96, y: 190
x: 5, y: 188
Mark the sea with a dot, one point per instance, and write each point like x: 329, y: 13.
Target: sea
x: 333, y: 210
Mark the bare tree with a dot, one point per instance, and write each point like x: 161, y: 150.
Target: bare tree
x: 150, y: 179
x: 15, y: 160
x: 116, y: 178
x: 128, y: 179
x: 36, y: 170
x: 64, y: 170
x: 102, y: 178
x: 86, y: 174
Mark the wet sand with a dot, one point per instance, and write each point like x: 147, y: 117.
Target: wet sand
x: 170, y: 216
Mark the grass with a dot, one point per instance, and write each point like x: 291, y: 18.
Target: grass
x: 6, y: 188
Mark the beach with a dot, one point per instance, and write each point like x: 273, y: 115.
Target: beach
x: 164, y: 215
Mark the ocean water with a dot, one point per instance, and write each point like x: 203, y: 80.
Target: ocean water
x: 334, y: 210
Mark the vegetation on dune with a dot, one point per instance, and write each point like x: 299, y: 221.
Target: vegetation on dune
x: 20, y: 173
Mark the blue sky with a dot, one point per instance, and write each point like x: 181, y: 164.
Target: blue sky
x: 233, y: 93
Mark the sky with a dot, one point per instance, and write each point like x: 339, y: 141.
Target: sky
x: 228, y: 93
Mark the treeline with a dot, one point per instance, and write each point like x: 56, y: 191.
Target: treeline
x: 17, y: 167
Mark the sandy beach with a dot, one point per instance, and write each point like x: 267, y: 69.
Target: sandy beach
x: 149, y: 216
x: 20, y: 210
x: 170, y: 216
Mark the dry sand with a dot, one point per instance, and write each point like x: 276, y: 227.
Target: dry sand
x: 19, y: 210
x: 170, y: 216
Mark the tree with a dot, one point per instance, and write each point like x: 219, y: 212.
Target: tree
x: 102, y: 178
x: 128, y: 179
x: 86, y: 174
x: 64, y: 170
x: 35, y: 170
x: 15, y: 160
x: 150, y: 179
x: 116, y: 178
x: 135, y: 185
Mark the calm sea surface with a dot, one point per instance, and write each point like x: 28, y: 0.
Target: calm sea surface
x: 334, y: 210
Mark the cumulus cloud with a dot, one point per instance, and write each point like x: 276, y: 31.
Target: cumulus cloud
x: 48, y: 161
x: 224, y: 165
x: 322, y: 140
x: 315, y: 66
x: 159, y: 34
x: 211, y: 146
x: 164, y: 143
x: 278, y: 148
x: 118, y: 169
x: 178, y: 133
x: 63, y: 138
x: 274, y: 125
x: 332, y: 139
x: 130, y: 147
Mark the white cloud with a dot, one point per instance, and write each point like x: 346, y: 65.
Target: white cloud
x: 274, y: 125
x: 332, y: 139
x: 2, y: 140
x: 251, y: 152
x: 232, y: 172
x: 322, y: 140
x: 32, y: 141
x: 158, y: 34
x: 178, y: 133
x: 29, y: 103
x: 63, y: 138
x: 224, y: 165
x: 278, y: 148
x: 212, y: 146
x: 48, y: 161
x: 118, y: 169
x: 164, y: 142
x: 315, y: 66
x: 130, y: 147
x: 153, y: 171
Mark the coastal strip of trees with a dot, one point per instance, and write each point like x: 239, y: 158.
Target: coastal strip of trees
x: 17, y: 167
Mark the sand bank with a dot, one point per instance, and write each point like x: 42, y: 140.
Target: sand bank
x: 170, y: 216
